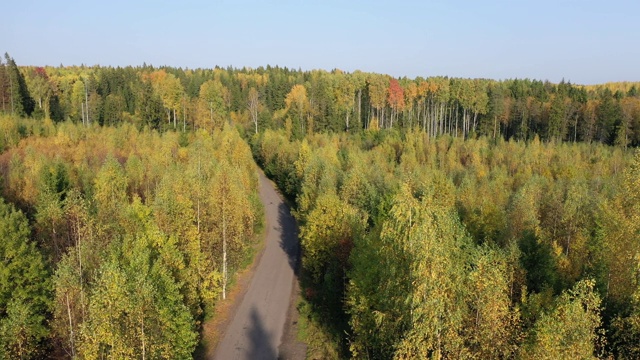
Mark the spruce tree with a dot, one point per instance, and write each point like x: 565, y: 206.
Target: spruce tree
x: 20, y: 100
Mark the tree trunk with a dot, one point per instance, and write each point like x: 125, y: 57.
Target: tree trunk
x: 224, y: 247
x: 457, y: 114
x: 80, y: 268
x: 144, y: 348
x: 456, y: 127
x: 443, y: 114
x: 12, y: 99
x: 71, y: 335
x: 475, y: 119
x: 86, y: 99
x: 47, y: 107
x: 254, y: 115
x: 347, y: 121
x: 360, y: 106
x: 421, y: 117
x: 199, y: 191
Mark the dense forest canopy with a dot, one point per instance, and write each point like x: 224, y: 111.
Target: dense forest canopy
x: 118, y: 242
x: 439, y: 217
x: 417, y: 247
x: 318, y: 101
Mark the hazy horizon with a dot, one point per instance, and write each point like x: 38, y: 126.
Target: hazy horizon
x: 583, y: 42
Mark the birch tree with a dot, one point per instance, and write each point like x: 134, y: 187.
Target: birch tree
x: 253, y: 105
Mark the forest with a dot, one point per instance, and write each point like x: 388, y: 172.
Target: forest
x: 319, y: 101
x: 116, y: 242
x: 415, y: 247
x: 439, y: 217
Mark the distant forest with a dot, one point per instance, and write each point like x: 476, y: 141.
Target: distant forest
x: 439, y: 217
x: 322, y: 101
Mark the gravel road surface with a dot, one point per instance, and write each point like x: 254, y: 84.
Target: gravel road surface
x: 255, y: 331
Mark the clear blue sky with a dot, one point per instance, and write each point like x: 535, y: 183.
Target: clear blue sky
x: 582, y: 41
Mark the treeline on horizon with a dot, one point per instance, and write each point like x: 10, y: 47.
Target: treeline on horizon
x: 322, y: 101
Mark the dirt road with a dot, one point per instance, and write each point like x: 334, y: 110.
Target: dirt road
x: 256, y: 329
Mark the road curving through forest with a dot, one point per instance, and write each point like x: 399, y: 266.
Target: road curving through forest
x: 256, y: 329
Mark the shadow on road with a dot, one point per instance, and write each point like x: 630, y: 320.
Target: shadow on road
x: 260, y: 339
x: 289, y: 236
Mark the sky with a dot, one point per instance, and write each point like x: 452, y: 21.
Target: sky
x: 581, y: 41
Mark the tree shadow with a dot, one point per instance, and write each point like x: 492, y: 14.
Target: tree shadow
x: 289, y: 236
x: 259, y: 340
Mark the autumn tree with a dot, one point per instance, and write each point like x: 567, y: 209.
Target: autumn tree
x: 571, y: 329
x: 230, y: 189
x: 212, y: 104
x: 170, y: 90
x: 297, y: 110
x: 626, y: 337
x: 395, y: 99
x: 398, y: 306
x: 618, y: 230
x: 327, y: 238
x: 41, y: 89
x: 493, y: 324
x: 377, y: 86
x: 176, y: 214
x: 74, y: 274
x: 344, y: 89
x: 110, y: 192
x: 253, y: 105
x: 136, y: 309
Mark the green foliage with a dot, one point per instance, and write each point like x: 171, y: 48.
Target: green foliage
x: 20, y: 103
x: 306, y: 102
x: 517, y: 222
x: 213, y: 100
x: 493, y: 325
x: 52, y: 190
x: 327, y: 236
x: 111, y: 185
x: 571, y: 330
x: 131, y: 221
x: 24, y: 288
x: 433, y: 242
x: 627, y: 328
x: 462, y: 249
x: 135, y: 308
